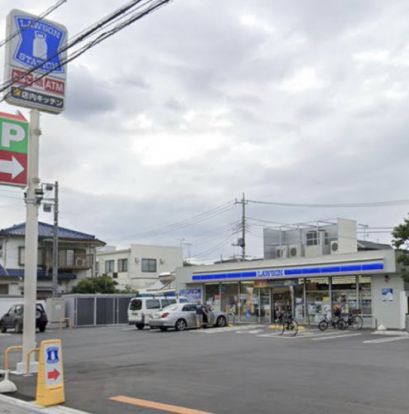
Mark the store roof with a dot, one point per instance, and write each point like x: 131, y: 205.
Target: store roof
x: 368, y: 245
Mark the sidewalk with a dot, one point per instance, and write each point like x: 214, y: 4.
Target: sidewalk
x: 9, y: 405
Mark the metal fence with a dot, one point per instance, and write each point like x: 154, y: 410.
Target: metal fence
x: 97, y: 310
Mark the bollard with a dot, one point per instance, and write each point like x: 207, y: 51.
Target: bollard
x: 6, y: 385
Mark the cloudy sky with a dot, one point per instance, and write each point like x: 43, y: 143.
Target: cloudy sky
x: 302, y: 102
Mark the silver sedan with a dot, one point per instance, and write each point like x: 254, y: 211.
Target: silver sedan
x: 182, y: 316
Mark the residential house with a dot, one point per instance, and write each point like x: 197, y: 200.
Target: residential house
x: 139, y: 266
x: 76, y: 252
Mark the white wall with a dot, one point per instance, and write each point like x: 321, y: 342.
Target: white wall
x: 167, y: 260
x: 388, y: 313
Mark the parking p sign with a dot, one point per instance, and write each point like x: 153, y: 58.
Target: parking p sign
x: 35, y: 60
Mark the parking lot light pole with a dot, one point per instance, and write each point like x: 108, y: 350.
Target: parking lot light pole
x: 33, y: 198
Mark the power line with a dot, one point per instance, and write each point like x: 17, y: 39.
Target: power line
x: 179, y: 225
x: 106, y: 22
x: 340, y: 205
x: 41, y: 17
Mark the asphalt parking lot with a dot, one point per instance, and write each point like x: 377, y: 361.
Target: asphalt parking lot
x: 242, y: 369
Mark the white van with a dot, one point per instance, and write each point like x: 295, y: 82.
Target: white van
x: 141, y: 308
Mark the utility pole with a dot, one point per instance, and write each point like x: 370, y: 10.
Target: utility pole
x: 55, y: 242
x: 47, y: 208
x: 241, y: 242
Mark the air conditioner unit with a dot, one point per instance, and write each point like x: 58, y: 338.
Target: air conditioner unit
x: 334, y: 246
x: 282, y: 252
x: 79, y: 262
x: 295, y: 250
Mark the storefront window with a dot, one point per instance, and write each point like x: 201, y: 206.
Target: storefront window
x: 299, y: 301
x: 212, y: 296
x: 249, y: 302
x: 265, y: 306
x: 318, y: 300
x: 229, y: 299
x: 365, y: 296
x: 344, y: 294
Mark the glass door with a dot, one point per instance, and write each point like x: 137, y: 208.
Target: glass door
x: 265, y: 305
x: 282, y: 302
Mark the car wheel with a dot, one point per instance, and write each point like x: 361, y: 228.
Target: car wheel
x: 221, y: 322
x: 140, y: 325
x: 180, y: 325
x: 3, y: 329
x: 18, y: 327
x: 41, y: 328
x: 163, y: 328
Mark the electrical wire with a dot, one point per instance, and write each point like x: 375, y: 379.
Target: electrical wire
x: 340, y: 205
x: 106, y: 22
x: 41, y: 17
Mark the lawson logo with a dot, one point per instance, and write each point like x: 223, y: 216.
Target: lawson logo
x: 270, y: 273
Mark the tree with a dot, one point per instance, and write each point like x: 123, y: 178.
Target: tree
x: 400, y: 241
x: 100, y: 284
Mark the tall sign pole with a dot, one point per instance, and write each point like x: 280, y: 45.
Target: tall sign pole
x: 55, y: 242
x: 31, y: 242
x: 36, y: 75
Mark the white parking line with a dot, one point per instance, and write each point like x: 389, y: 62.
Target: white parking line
x: 228, y: 329
x: 5, y: 334
x: 255, y: 331
x: 334, y: 337
x: 382, y: 340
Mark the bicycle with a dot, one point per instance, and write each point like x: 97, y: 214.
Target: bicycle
x: 354, y: 321
x: 289, y: 325
x: 339, y: 323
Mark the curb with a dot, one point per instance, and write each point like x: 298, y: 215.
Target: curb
x: 33, y: 408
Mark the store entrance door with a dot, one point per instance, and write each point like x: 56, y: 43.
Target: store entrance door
x: 282, y: 302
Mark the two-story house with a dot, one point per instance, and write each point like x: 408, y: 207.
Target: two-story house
x: 76, y: 257
x: 139, y: 266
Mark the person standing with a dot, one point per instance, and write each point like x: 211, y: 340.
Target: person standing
x: 199, y: 316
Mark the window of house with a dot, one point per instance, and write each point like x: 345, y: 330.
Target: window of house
x: 122, y: 265
x: 149, y: 265
x: 4, y: 289
x: 66, y: 258
x: 109, y: 266
x: 21, y: 253
x: 312, y: 238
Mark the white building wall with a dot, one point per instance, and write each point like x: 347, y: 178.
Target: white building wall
x: 388, y: 312
x: 168, y: 258
x: 10, y: 253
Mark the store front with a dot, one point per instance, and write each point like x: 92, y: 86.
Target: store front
x: 307, y: 299
x: 258, y: 292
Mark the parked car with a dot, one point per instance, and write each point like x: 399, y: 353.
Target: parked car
x: 182, y: 316
x: 140, y: 309
x: 13, y: 319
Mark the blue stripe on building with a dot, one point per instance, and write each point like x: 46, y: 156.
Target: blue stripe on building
x: 291, y: 272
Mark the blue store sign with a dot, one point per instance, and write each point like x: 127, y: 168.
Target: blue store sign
x: 40, y: 43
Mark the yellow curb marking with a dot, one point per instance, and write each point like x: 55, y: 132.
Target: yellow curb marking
x: 157, y: 406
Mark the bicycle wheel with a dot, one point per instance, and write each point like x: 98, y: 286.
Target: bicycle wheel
x: 323, y: 325
x: 357, y: 322
x: 342, y: 325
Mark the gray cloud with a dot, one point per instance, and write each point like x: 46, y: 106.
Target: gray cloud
x: 191, y: 106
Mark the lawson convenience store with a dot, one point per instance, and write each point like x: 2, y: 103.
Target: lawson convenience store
x: 257, y: 291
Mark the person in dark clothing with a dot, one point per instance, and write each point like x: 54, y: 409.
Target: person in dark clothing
x: 199, y: 316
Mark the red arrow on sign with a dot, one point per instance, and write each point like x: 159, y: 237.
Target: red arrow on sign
x: 53, y: 375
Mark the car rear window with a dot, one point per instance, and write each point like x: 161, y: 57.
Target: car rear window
x: 135, y: 304
x: 152, y: 304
